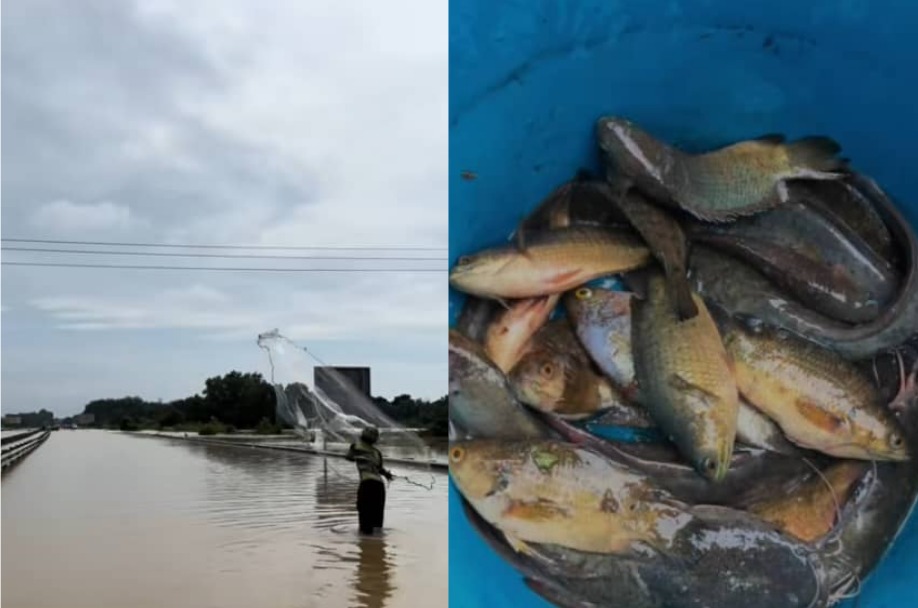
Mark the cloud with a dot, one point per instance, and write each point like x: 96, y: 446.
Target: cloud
x: 228, y: 122
x: 64, y: 217
x: 352, y: 311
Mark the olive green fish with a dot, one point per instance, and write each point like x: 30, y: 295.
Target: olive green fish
x: 718, y: 186
x: 666, y: 240
x: 602, y: 321
x: 685, y: 378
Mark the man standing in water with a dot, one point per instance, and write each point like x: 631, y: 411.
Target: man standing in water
x: 371, y: 493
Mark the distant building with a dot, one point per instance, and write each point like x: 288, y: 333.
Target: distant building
x: 12, y: 420
x: 329, y: 380
x: 85, y: 419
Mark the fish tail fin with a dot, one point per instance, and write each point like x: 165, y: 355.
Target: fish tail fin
x: 816, y: 153
x: 681, y: 293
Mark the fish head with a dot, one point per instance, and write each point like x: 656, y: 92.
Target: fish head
x: 484, y: 273
x: 483, y: 468
x: 712, y: 464
x: 710, y: 447
x: 887, y: 444
x: 541, y: 378
x: 507, y: 337
x: 868, y: 434
x: 597, y: 305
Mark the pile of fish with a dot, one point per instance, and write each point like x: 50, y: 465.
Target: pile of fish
x: 690, y: 381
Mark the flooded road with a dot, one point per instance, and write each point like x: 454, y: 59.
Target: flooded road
x: 102, y: 519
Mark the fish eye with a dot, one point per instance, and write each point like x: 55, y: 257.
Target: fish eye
x: 463, y: 260
x: 583, y: 293
x: 708, y: 465
x: 895, y: 441
x: 457, y: 454
x: 547, y: 370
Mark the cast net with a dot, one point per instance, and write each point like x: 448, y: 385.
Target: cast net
x: 328, y: 411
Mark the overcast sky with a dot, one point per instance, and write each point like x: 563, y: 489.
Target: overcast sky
x: 318, y: 123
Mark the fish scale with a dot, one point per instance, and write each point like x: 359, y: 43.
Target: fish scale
x: 734, y: 181
x: 820, y: 400
x: 685, y: 379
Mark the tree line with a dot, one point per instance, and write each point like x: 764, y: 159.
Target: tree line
x: 236, y: 401
x: 33, y: 420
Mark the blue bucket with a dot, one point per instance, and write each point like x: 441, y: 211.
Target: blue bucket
x: 528, y: 80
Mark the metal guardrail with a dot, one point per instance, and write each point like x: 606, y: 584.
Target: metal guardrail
x: 28, y: 443
x: 19, y: 436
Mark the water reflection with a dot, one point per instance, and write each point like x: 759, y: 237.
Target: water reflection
x: 372, y: 585
x: 335, y: 499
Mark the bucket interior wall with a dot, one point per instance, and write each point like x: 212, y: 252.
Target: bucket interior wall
x: 529, y: 79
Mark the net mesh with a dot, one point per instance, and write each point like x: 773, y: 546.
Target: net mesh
x: 332, y: 423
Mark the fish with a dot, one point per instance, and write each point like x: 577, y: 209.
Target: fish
x: 899, y: 320
x: 508, y: 336
x: 757, y: 430
x: 556, y: 376
x: 545, y: 576
x: 815, y: 246
x: 685, y: 378
x: 602, y: 321
x: 553, y: 262
x: 721, y: 557
x: 872, y: 519
x: 733, y: 286
x: 749, y: 468
x: 666, y: 240
x: 476, y: 317
x: 821, y: 401
x: 738, y: 180
x: 750, y: 296
x: 828, y: 289
x: 481, y: 403
x: 583, y: 200
x: 809, y: 510
x: 841, y: 202
x: 558, y: 493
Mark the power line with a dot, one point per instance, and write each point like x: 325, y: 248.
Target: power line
x: 220, y: 255
x: 203, y: 246
x: 217, y: 268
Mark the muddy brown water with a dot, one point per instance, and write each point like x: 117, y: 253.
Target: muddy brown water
x: 104, y: 519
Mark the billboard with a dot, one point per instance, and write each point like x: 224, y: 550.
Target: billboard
x: 359, y: 378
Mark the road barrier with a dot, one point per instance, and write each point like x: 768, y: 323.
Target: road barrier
x: 17, y: 447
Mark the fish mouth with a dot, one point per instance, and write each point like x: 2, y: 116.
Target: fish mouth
x: 716, y: 465
x: 893, y: 456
